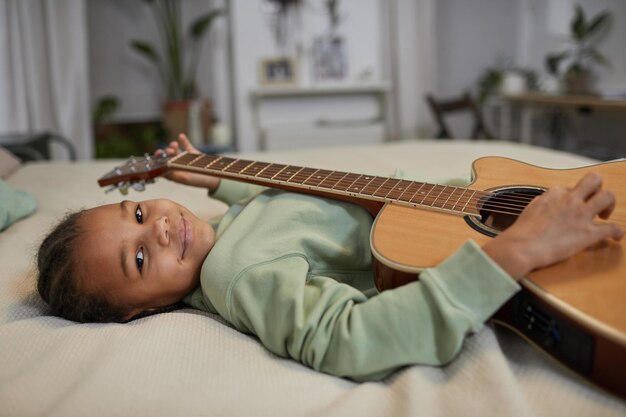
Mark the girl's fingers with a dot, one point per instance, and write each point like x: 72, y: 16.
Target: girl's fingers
x: 602, y: 203
x: 588, y: 185
x: 186, y: 143
x: 608, y: 230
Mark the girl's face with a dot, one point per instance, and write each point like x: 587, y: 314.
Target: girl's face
x: 142, y: 255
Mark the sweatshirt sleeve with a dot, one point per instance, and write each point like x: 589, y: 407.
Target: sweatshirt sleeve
x: 334, y: 328
x: 230, y: 192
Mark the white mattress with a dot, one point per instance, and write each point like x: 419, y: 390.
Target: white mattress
x: 193, y: 364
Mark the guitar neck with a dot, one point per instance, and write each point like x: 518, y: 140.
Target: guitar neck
x: 367, y: 190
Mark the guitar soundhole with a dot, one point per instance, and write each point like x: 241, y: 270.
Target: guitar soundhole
x: 501, y: 209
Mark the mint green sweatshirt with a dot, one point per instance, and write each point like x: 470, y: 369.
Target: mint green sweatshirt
x: 296, y: 271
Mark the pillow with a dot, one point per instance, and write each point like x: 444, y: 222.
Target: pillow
x: 14, y: 205
x: 8, y: 163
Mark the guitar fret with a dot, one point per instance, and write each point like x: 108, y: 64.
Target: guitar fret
x: 220, y: 163
x: 359, y: 185
x: 432, y: 196
x: 458, y: 200
x: 287, y: 173
x: 316, y: 178
x: 453, y: 198
x: 200, y: 161
x: 398, y: 189
x: 468, y: 200
x: 303, y: 175
x: 332, y: 179
x: 442, y: 197
x: 187, y: 158
x: 422, y: 193
x: 346, y: 182
x: 386, y: 187
x: 238, y: 166
x: 255, y: 169
x: 410, y: 191
x: 373, y: 185
x: 270, y: 171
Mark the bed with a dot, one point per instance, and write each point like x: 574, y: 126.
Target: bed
x: 194, y: 364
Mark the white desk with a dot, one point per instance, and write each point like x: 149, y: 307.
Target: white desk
x: 378, y: 90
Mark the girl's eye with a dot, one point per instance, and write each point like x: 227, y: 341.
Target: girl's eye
x: 139, y: 259
x: 139, y: 215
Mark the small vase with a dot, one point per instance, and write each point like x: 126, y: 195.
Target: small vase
x: 578, y: 82
x: 191, y: 117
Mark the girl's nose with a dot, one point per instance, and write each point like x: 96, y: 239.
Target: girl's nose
x: 162, y: 230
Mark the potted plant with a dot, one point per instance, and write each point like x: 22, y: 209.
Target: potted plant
x: 574, y: 65
x: 493, y: 80
x: 176, y: 60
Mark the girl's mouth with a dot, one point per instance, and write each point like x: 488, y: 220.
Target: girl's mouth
x: 185, y: 235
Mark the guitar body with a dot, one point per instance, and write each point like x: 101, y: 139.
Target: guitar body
x: 574, y: 310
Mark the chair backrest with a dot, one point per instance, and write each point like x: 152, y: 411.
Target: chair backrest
x: 35, y: 146
x: 464, y: 103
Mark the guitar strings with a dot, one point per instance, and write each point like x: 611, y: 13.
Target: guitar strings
x: 512, y: 203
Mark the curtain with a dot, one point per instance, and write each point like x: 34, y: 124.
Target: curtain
x: 410, y: 52
x: 412, y: 65
x: 44, y: 84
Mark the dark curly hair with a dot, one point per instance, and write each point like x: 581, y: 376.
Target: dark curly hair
x: 58, y: 282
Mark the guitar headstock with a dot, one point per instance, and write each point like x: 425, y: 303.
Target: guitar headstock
x: 136, y: 172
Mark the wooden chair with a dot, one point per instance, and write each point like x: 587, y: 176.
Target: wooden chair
x: 464, y: 103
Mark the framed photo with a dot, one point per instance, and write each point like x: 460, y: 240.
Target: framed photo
x: 278, y: 71
x: 330, y: 60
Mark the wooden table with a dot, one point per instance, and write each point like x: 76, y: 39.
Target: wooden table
x: 529, y: 102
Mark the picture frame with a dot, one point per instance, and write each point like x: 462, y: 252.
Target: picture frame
x: 330, y: 60
x: 278, y: 71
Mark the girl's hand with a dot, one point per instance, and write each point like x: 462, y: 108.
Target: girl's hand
x: 555, y: 226
x: 183, y: 177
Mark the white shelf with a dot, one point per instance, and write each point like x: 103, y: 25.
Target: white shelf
x: 321, y: 90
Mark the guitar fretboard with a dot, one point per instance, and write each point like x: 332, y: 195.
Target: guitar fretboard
x: 448, y: 198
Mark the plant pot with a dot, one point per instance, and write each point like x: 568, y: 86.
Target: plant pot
x: 191, y: 117
x: 578, y: 82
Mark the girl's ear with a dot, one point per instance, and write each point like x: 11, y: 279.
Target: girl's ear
x: 152, y: 311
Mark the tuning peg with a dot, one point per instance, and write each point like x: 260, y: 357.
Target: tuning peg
x: 123, y: 187
x: 139, y: 186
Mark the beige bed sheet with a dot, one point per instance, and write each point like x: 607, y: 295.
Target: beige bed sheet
x: 189, y: 363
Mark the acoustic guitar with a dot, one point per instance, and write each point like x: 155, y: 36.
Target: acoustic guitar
x: 575, y: 311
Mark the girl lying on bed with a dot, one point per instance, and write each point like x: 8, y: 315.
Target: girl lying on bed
x: 296, y: 271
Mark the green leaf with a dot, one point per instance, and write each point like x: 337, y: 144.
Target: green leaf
x: 106, y: 106
x: 596, y: 56
x: 554, y: 60
x: 147, y: 50
x: 599, y: 23
x: 203, y: 23
x: 579, y: 26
